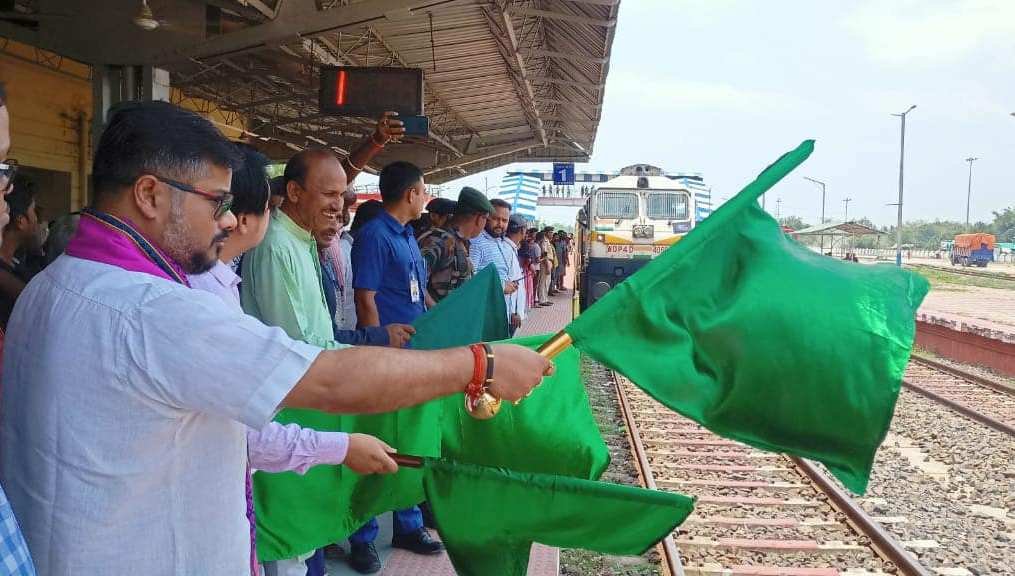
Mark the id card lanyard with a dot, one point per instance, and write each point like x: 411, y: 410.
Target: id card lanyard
x: 415, y: 294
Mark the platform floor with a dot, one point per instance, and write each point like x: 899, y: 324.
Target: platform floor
x: 544, y: 561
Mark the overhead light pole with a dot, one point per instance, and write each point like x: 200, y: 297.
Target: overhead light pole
x: 822, y: 184
x: 845, y: 214
x: 969, y: 188
x: 902, y: 159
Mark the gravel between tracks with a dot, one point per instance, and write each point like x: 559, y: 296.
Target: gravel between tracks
x: 603, y: 399
x: 953, y: 479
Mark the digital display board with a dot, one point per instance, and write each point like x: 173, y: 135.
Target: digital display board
x: 371, y: 91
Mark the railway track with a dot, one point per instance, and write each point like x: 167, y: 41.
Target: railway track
x: 758, y: 513
x: 975, y: 397
x: 964, y: 271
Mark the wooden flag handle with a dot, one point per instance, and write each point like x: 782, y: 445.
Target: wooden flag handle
x: 407, y: 460
x: 555, y: 345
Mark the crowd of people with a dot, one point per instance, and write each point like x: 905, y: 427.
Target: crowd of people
x: 150, y: 340
x: 461, y: 237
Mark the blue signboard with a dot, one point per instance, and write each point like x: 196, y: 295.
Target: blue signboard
x: 563, y: 173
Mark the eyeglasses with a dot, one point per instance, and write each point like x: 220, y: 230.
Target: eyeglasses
x: 223, y: 202
x: 7, y: 171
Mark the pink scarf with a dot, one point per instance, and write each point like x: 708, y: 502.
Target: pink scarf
x: 118, y: 243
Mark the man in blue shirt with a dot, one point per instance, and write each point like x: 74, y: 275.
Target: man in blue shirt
x: 389, y: 278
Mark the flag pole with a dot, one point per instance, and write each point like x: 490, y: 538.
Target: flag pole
x: 407, y: 460
x: 555, y: 345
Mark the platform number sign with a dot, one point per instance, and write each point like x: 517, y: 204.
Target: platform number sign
x: 563, y: 173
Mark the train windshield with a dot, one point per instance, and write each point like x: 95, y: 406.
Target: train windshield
x: 617, y: 205
x: 665, y: 206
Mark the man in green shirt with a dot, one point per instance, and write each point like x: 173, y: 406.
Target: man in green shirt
x: 282, y: 276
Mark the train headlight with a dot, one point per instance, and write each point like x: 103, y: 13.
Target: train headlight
x: 599, y: 289
x: 601, y: 237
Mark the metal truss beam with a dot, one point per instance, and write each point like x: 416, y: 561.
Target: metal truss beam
x: 300, y: 19
x: 565, y: 56
x: 563, y: 82
x: 574, y: 19
x: 503, y: 28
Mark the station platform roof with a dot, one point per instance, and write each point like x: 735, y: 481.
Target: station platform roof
x: 505, y: 80
x: 839, y: 229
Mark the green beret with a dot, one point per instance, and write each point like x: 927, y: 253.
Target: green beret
x: 472, y: 201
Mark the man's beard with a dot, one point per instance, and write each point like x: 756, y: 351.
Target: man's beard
x: 178, y: 245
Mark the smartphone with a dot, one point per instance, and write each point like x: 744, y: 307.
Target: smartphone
x: 415, y: 125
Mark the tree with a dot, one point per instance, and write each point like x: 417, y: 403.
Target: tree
x: 794, y: 222
x: 1004, y: 225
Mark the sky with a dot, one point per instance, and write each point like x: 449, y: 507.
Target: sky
x: 724, y: 87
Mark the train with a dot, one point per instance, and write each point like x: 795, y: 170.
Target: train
x: 627, y: 221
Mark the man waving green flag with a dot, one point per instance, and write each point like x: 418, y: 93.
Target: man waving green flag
x: 761, y: 339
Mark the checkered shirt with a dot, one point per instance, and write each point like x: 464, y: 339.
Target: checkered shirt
x: 14, y: 557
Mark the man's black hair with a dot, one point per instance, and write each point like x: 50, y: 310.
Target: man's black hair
x: 396, y: 178
x: 21, y: 197
x: 297, y: 168
x: 157, y: 138
x: 278, y: 186
x: 250, y: 182
x: 365, y: 213
x: 498, y: 203
x: 3, y: 94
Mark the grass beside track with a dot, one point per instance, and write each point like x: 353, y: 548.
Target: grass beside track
x: 942, y: 279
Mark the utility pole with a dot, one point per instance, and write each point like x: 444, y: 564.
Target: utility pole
x: 845, y: 215
x: 778, y: 208
x: 902, y: 158
x: 969, y: 188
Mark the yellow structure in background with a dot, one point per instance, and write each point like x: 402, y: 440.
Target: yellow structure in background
x: 49, y: 99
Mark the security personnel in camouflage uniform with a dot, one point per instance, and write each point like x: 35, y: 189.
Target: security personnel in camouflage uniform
x: 446, y: 249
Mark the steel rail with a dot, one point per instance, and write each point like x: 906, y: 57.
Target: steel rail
x: 962, y: 409
x: 883, y: 542
x: 670, y: 554
x: 957, y: 372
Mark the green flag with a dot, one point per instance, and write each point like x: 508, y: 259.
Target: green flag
x: 551, y: 431
x: 761, y: 339
x: 297, y: 514
x: 489, y: 517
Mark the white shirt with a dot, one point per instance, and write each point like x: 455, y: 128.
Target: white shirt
x: 503, y: 254
x: 515, y: 302
x: 120, y: 455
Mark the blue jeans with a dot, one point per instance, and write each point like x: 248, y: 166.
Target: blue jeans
x: 403, y: 522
